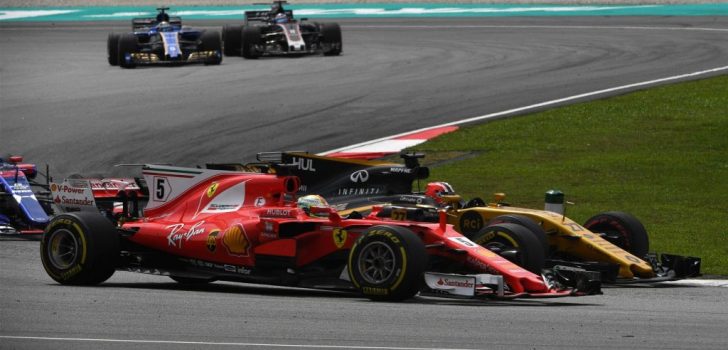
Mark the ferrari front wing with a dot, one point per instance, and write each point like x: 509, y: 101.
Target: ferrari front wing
x: 562, y: 280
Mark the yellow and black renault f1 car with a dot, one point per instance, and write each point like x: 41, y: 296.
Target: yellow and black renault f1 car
x: 614, y: 243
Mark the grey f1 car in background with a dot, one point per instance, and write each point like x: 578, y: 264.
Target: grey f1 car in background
x: 163, y: 40
x: 276, y: 32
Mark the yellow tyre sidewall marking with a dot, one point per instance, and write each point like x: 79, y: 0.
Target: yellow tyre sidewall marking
x: 73, y: 226
x: 508, y: 238
x: 404, y: 263
x: 404, y: 269
x: 352, y: 277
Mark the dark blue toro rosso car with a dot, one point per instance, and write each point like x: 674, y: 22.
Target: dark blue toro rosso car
x: 163, y: 40
x: 21, y: 212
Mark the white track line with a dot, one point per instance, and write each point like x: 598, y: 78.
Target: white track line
x: 701, y: 283
x: 535, y: 106
x: 257, y: 345
x: 492, y: 26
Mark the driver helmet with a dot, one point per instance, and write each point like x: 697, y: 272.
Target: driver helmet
x: 281, y: 18
x: 311, y: 200
x: 164, y: 27
x: 162, y: 17
x: 436, y: 190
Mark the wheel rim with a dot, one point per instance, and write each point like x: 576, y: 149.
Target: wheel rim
x: 377, y: 263
x: 63, y: 249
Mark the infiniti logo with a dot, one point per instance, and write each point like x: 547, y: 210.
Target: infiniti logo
x: 359, y: 176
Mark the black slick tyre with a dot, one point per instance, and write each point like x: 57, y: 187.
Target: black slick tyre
x: 80, y: 248
x: 387, y: 263
x: 526, y: 222
x: 621, y: 229
x: 251, y: 39
x: 210, y: 41
x: 231, y: 37
x: 127, y: 46
x: 515, y: 243
x: 112, y: 49
x: 330, y: 39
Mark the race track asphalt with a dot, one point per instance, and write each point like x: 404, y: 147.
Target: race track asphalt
x: 63, y: 105
x: 132, y: 307
x: 60, y: 103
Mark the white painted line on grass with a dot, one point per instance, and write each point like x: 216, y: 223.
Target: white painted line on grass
x: 535, y: 106
x: 257, y: 345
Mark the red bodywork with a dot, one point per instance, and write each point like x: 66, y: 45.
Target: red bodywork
x: 235, y: 218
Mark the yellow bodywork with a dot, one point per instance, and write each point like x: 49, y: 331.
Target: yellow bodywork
x: 563, y: 235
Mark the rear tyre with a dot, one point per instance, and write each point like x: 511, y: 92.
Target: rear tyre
x: 330, y: 39
x: 621, y: 229
x: 515, y: 243
x: 112, y: 49
x: 251, y: 39
x: 127, y: 46
x: 210, y: 41
x: 387, y: 263
x: 231, y: 37
x: 81, y: 248
x: 536, y: 230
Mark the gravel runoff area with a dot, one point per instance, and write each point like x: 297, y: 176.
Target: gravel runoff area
x: 60, y: 3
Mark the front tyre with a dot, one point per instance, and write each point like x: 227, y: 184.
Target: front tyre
x: 522, y: 220
x: 80, y: 248
x: 330, y: 39
x: 127, y: 47
x: 514, y: 242
x: 251, y: 39
x: 231, y: 37
x: 112, y: 49
x: 621, y: 229
x: 387, y: 263
x: 210, y: 41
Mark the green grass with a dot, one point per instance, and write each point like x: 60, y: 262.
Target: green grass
x: 660, y: 154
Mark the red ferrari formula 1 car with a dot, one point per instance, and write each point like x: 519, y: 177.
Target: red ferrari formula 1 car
x: 202, y: 225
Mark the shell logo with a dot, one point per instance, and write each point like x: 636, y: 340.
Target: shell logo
x: 236, y: 241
